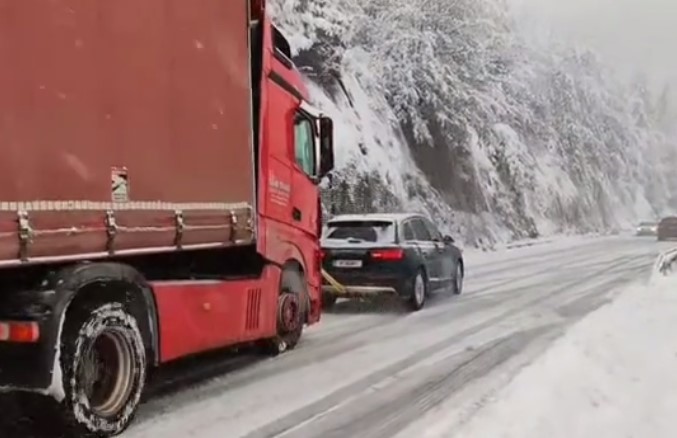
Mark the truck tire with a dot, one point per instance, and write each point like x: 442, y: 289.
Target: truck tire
x: 291, y: 312
x: 103, y: 365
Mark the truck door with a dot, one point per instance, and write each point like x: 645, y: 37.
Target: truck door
x: 304, y: 211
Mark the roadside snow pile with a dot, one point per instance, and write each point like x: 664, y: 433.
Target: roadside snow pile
x: 613, y: 374
x: 666, y: 264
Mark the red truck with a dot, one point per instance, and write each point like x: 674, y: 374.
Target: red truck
x: 159, y: 195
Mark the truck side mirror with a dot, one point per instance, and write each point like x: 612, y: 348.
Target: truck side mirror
x: 326, y: 146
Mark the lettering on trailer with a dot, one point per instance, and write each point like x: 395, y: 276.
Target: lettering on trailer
x: 280, y: 191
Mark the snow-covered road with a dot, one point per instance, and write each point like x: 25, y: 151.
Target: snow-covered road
x: 380, y: 373
x: 372, y: 372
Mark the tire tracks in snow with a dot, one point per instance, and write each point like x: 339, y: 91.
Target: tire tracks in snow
x: 393, y: 406
x: 344, y: 339
x: 379, y: 418
x: 489, y: 308
x: 382, y: 330
x: 378, y: 332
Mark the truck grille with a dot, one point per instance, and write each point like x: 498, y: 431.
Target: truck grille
x: 253, y: 309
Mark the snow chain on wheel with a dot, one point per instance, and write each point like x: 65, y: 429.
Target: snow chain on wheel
x: 104, y: 370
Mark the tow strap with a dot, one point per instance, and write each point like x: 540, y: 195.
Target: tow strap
x: 333, y: 282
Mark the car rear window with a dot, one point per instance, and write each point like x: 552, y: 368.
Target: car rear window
x: 669, y: 221
x: 367, y: 231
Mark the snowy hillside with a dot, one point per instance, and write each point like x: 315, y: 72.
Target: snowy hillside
x: 445, y: 106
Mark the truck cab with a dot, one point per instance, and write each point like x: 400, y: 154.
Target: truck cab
x: 296, y: 146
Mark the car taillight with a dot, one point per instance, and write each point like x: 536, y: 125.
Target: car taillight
x: 19, y: 332
x: 388, y: 255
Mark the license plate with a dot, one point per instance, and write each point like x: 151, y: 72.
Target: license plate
x: 348, y: 263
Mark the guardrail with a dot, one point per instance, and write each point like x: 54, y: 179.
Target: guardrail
x: 527, y: 243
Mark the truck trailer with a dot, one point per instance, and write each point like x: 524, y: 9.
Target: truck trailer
x: 159, y: 195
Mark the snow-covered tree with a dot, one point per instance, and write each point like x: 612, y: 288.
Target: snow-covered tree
x: 456, y: 113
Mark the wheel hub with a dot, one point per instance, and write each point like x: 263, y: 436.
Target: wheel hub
x: 105, y: 373
x: 289, y: 312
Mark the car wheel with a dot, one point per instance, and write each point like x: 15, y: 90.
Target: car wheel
x: 104, y: 370
x: 457, y: 286
x: 419, y: 291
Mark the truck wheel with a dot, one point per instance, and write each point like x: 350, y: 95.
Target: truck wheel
x: 104, y: 370
x: 419, y: 291
x: 291, y: 310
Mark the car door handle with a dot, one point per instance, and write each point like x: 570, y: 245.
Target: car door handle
x: 296, y: 214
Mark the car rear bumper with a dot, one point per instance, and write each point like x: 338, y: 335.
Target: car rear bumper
x: 360, y: 291
x: 366, y: 285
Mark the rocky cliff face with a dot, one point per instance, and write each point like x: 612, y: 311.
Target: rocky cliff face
x: 444, y: 107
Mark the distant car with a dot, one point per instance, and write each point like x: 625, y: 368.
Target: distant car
x: 401, y: 255
x: 667, y: 228
x: 646, y: 229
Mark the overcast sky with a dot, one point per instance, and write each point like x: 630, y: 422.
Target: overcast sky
x: 632, y: 34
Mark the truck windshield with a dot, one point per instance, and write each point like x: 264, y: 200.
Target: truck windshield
x: 368, y: 231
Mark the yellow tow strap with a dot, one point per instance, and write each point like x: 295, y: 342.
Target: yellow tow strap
x: 333, y: 282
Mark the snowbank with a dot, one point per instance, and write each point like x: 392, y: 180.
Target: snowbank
x: 613, y: 374
x: 665, y: 264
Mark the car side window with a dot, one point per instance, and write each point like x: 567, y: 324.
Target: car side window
x: 304, y: 146
x: 434, y: 232
x: 420, y: 230
x: 407, y: 232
